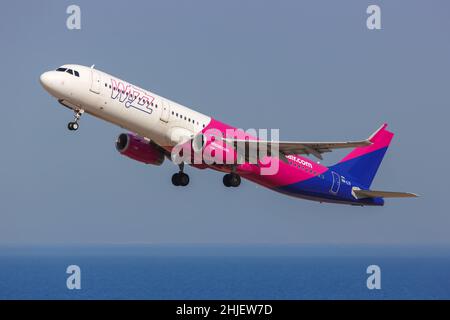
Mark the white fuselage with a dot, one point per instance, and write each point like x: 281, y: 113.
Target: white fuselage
x: 104, y: 96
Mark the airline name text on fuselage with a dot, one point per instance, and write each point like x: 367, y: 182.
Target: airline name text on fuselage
x: 131, y: 96
x: 300, y: 161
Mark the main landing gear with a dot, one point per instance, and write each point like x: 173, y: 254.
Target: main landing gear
x: 231, y: 180
x: 73, y: 126
x: 180, y: 178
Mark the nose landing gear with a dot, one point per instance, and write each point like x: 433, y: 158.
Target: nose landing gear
x: 73, y: 126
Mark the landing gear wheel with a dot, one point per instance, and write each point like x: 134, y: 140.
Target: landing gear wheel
x: 180, y: 179
x: 72, y: 126
x: 176, y: 179
x: 231, y: 180
x: 184, y: 179
x: 226, y: 180
x: 235, y: 180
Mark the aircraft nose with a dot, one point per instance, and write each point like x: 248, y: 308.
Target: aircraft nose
x: 46, y: 80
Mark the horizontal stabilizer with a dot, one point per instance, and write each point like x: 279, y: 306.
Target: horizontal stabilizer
x: 359, y: 194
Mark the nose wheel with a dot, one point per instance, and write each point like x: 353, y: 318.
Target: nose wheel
x: 180, y: 178
x: 73, y: 125
x: 231, y: 180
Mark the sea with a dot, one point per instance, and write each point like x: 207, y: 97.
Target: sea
x: 190, y: 272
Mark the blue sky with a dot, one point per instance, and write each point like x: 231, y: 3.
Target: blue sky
x: 310, y: 68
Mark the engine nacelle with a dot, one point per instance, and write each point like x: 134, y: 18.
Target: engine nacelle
x: 139, y: 149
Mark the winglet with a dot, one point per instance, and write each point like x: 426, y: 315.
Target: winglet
x: 384, y: 126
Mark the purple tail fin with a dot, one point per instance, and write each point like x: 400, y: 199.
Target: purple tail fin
x: 362, y: 163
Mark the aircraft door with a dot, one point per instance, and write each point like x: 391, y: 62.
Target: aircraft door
x: 95, y: 81
x: 336, y: 183
x: 165, y: 111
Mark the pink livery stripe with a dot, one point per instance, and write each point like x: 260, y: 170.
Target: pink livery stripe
x: 380, y: 139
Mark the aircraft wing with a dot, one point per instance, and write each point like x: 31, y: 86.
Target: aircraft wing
x: 382, y: 194
x: 293, y: 147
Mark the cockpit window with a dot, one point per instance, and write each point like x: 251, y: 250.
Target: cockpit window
x: 72, y: 72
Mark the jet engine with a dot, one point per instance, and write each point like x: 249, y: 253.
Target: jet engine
x: 139, y: 149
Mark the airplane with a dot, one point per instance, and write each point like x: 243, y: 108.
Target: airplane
x: 158, y: 125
